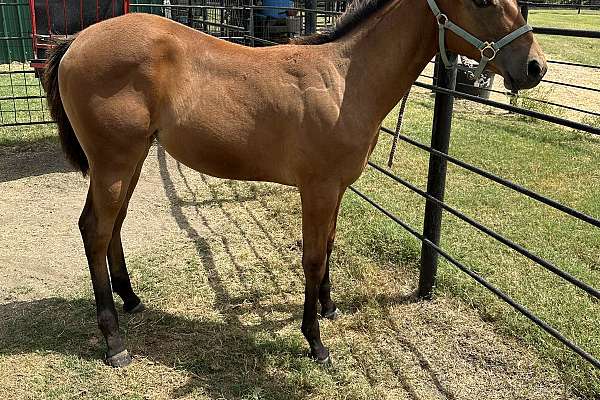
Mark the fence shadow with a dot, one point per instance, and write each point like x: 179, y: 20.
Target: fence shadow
x: 35, y: 159
x: 351, y: 305
x: 223, y: 358
x: 239, y: 334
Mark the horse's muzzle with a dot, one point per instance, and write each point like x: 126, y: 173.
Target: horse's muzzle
x: 522, y: 70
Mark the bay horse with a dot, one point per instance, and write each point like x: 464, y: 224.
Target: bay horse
x: 304, y: 114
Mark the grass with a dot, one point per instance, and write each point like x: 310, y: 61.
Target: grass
x: 579, y: 50
x: 20, y: 84
x: 251, y: 310
x: 19, y: 92
x: 222, y: 283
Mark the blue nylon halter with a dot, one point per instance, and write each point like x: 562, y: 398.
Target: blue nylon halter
x: 488, y: 50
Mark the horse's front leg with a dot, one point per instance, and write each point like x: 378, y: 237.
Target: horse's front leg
x: 319, y: 204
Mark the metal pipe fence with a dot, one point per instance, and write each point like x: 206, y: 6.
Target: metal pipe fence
x: 482, y: 281
x: 445, y: 88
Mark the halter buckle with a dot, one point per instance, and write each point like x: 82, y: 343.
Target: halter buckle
x: 487, y: 46
x: 442, y: 19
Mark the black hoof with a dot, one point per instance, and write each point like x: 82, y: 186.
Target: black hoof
x: 321, y: 357
x: 325, y: 362
x: 332, y: 314
x: 138, y: 308
x: 119, y: 360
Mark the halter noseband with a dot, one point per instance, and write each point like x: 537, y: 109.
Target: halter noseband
x: 488, y: 50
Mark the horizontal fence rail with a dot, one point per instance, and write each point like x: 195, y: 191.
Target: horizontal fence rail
x: 511, y: 94
x: 509, y: 243
x: 573, y: 64
x: 504, y: 182
x: 566, y: 32
x: 517, y: 110
x: 534, y: 5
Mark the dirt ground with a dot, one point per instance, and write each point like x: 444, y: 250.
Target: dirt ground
x: 218, y: 265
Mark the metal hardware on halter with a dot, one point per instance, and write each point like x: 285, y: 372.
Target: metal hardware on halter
x: 488, y: 46
x: 488, y: 50
x: 441, y: 17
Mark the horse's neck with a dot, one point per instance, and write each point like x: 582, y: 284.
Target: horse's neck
x: 386, y: 54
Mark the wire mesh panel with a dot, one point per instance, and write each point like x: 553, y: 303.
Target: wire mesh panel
x: 63, y: 18
x: 21, y: 95
x: 249, y: 22
x: 227, y: 19
x: 27, y: 31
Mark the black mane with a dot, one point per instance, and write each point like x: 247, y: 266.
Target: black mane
x: 357, y: 11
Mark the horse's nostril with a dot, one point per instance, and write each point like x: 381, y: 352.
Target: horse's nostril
x: 534, y: 69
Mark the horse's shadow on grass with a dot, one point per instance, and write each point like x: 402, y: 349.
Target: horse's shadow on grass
x: 221, y: 358
x: 222, y: 297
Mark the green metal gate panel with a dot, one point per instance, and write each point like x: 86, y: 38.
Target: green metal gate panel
x: 15, y: 31
x: 134, y: 7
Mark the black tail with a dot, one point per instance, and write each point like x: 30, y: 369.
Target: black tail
x: 69, y: 141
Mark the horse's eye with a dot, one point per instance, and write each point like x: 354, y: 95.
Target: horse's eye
x: 482, y: 3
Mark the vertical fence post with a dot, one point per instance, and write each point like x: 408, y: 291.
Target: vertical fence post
x: 436, y: 181
x: 525, y: 11
x: 190, y: 15
x: 310, y: 22
x: 251, y: 23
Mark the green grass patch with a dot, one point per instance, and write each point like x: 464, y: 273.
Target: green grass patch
x: 20, y: 104
x: 581, y: 50
x: 28, y: 135
x: 20, y: 92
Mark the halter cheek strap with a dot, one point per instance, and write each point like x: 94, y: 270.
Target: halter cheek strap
x: 488, y: 50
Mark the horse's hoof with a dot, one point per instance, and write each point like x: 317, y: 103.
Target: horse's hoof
x: 326, y: 362
x: 333, y: 314
x: 322, y: 357
x: 138, y: 308
x: 119, y: 360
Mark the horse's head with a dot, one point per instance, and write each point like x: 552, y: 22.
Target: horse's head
x: 519, y: 59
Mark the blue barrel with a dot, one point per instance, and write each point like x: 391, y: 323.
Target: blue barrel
x: 276, y: 13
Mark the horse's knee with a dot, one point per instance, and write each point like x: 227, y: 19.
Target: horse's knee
x: 85, y: 221
x: 94, y: 231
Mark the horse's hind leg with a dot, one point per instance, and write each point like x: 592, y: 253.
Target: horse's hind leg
x: 109, y: 181
x: 328, y: 307
x: 119, y: 277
